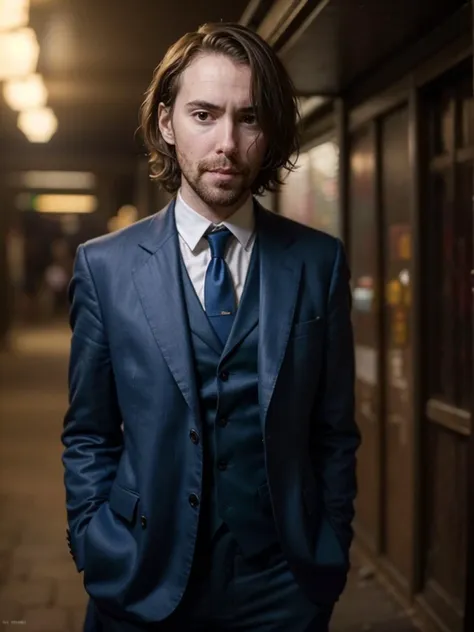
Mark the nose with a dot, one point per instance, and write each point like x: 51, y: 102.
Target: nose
x: 227, y: 141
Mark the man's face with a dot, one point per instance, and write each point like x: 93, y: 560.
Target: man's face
x: 219, y: 146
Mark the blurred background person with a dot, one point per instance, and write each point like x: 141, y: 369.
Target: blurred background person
x: 57, y: 277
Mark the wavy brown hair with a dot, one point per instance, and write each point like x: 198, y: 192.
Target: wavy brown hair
x: 272, y: 92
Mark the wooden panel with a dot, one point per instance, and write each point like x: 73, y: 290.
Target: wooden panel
x: 465, y: 260
x: 469, y: 603
x: 449, y: 248
x: 448, y: 340
x: 397, y: 230
x: 445, y: 524
x: 364, y: 264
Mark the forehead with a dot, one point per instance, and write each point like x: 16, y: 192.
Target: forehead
x: 212, y: 76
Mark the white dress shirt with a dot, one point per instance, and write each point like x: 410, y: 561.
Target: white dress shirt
x: 196, y: 251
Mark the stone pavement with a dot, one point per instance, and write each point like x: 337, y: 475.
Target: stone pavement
x: 40, y: 590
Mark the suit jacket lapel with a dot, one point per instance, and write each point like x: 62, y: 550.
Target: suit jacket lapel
x: 280, y: 273
x: 158, y: 283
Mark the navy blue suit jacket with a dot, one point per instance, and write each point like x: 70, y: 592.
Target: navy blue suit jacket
x: 132, y: 475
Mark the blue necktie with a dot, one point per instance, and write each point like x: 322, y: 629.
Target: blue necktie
x: 219, y: 297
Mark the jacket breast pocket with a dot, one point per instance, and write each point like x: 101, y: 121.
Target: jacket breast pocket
x: 307, y: 328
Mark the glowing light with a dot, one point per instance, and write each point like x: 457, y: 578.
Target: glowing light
x: 14, y: 14
x: 58, y: 203
x: 58, y: 180
x: 19, y: 51
x: 38, y: 125
x: 27, y: 93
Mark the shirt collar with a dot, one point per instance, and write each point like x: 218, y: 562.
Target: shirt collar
x: 192, y: 226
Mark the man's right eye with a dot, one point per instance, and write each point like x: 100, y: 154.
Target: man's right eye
x: 202, y: 116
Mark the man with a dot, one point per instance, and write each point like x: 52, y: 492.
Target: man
x: 210, y: 440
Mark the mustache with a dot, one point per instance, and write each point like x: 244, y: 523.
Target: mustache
x: 214, y: 165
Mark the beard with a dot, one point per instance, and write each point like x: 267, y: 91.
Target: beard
x: 219, y: 193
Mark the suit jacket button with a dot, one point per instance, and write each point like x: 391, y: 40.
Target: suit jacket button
x: 194, y: 436
x: 143, y: 521
x: 193, y: 501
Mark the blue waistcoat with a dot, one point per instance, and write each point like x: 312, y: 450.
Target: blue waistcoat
x: 235, y: 482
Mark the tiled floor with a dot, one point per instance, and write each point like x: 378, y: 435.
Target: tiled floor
x: 40, y: 591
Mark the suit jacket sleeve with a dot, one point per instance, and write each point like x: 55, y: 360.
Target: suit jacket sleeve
x: 335, y: 434
x: 92, y: 435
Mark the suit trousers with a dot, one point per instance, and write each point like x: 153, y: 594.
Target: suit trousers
x: 228, y: 593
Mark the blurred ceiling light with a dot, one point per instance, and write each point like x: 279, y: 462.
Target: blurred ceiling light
x: 58, y: 180
x: 26, y: 93
x: 19, y: 51
x: 57, y: 203
x: 38, y: 125
x: 14, y: 14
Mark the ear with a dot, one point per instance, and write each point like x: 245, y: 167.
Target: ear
x: 165, y: 123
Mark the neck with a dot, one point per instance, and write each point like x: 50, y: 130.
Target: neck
x: 214, y: 213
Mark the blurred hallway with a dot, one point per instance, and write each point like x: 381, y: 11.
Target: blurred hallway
x: 39, y: 586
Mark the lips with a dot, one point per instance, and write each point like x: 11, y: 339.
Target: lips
x: 226, y: 172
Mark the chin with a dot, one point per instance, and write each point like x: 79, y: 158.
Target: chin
x: 228, y: 200
x: 223, y: 197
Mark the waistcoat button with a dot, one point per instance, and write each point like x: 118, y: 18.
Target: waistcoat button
x: 193, y: 501
x: 222, y: 465
x: 143, y: 521
x: 194, y: 436
x: 222, y: 422
x: 224, y: 376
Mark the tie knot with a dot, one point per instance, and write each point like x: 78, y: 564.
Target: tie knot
x: 217, y: 242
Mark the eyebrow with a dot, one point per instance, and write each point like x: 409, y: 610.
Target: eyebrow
x: 206, y: 105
